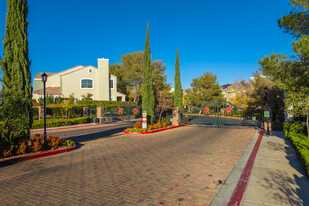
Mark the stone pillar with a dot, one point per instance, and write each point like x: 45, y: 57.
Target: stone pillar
x: 41, y: 112
x: 85, y: 112
x: 100, y: 114
x: 176, y: 116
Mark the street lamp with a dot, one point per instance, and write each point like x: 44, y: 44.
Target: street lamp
x: 268, y: 116
x: 44, y: 80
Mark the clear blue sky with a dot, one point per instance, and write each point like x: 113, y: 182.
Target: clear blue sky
x: 225, y: 37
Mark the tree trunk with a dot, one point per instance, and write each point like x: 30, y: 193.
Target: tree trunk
x: 308, y: 125
x: 160, y: 115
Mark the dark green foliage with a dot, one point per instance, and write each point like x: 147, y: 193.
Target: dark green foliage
x: 94, y: 103
x: 165, y: 120
x: 58, y: 112
x: 297, y: 21
x: 59, y: 122
x: 130, y: 75
x: 148, y: 99
x: 66, y: 143
x: 294, y: 131
x: 204, y: 88
x: 35, y: 111
x: 301, y: 145
x: 178, y: 91
x: 16, y: 80
x: 291, y: 73
x: 293, y: 127
x: 59, y: 100
x: 49, y: 100
x: 119, y: 71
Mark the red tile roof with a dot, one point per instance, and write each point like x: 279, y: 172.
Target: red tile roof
x: 49, y: 91
x: 48, y: 74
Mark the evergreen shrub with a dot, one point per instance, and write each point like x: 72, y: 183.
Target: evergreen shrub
x: 96, y: 103
x: 301, y: 145
x: 37, y: 124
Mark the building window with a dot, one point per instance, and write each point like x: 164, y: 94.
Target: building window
x: 87, y: 84
x: 89, y: 71
x: 111, y: 83
x: 119, y: 99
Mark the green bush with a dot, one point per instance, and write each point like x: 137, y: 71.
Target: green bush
x: 59, y: 122
x: 136, y: 130
x: 59, y: 100
x: 165, y: 120
x: 35, y: 111
x: 293, y: 127
x: 67, y: 143
x: 96, y: 103
x: 49, y: 100
x: 57, y: 111
x: 301, y: 145
x: 304, y: 158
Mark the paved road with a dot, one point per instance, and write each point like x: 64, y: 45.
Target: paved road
x: 183, y: 166
x: 89, y: 133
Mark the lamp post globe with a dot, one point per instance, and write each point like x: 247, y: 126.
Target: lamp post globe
x: 44, y: 77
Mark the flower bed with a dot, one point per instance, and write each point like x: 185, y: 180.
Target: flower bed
x: 21, y: 158
x: 153, y: 131
x: 157, y: 127
x: 36, y: 144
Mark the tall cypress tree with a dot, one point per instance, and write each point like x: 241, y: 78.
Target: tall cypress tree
x: 178, y: 90
x: 16, y: 80
x: 148, y: 99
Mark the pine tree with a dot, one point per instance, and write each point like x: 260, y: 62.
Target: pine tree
x: 148, y: 99
x: 16, y: 80
x: 178, y: 91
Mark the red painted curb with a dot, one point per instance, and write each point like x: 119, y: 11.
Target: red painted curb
x: 154, y: 131
x: 244, y: 179
x: 35, y: 156
x: 61, y: 128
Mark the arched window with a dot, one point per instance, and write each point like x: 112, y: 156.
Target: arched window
x: 86, y: 84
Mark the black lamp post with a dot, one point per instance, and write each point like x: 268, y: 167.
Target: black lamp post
x: 267, y: 118
x: 44, y: 80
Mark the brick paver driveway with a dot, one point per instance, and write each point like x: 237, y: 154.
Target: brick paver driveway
x: 183, y: 166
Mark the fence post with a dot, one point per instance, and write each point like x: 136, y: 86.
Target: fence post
x: 85, y: 112
x: 176, y: 116
x: 100, y: 114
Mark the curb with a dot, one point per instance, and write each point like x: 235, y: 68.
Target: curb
x: 244, y: 179
x: 69, y: 127
x: 23, y: 158
x: 233, y: 188
x: 154, y: 131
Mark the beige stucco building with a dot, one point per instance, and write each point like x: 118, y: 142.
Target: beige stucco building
x: 80, y: 81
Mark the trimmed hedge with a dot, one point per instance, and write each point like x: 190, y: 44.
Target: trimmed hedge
x: 301, y: 144
x: 57, y: 111
x: 294, y: 131
x: 37, y: 124
x: 96, y: 103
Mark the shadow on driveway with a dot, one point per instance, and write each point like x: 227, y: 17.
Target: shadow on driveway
x: 97, y: 135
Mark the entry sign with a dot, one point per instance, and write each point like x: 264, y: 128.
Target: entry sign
x: 144, y: 120
x: 266, y: 114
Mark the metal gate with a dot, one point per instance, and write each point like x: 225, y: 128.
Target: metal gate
x: 221, y: 113
x: 127, y: 111
x: 92, y: 114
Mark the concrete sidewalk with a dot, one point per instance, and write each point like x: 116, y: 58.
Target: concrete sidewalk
x: 277, y: 177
